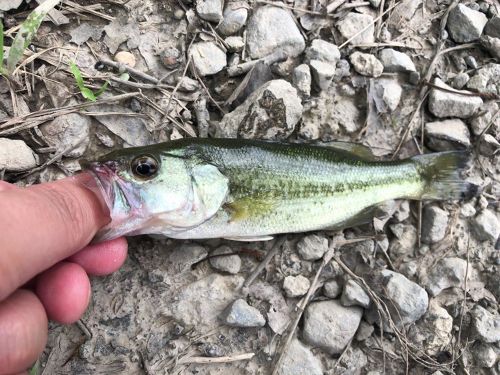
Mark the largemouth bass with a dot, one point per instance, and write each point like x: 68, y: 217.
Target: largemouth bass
x: 250, y: 190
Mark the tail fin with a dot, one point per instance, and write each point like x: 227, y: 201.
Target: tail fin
x: 442, y: 173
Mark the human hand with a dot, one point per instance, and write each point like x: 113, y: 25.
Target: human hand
x: 44, y: 261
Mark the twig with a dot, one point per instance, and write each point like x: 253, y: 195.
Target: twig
x: 277, y: 246
x: 132, y: 71
x: 330, y: 8
x: 245, y: 67
x: 226, y: 359
x: 486, y: 95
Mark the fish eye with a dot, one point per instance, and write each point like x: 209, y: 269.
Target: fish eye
x: 144, y: 167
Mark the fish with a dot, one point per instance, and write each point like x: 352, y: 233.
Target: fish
x: 251, y: 190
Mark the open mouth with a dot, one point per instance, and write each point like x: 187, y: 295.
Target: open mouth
x: 104, y: 177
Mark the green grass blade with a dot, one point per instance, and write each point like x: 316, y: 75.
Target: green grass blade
x: 86, y: 92
x: 26, y: 33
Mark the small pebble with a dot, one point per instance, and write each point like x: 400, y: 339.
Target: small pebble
x: 296, y: 286
x: 241, y: 314
x: 471, y: 62
x: 135, y: 105
x: 126, y: 58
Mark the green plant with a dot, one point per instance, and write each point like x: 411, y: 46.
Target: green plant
x: 24, y: 36
x: 86, y: 92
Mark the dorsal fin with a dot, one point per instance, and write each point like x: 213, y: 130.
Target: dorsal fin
x: 357, y: 149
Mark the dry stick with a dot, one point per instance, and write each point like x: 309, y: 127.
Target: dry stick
x: 281, y: 5
x: 462, y: 307
x: 486, y: 95
x: 226, y: 359
x: 277, y: 246
x: 245, y: 67
x: 131, y: 70
x: 88, y: 10
x: 330, y: 8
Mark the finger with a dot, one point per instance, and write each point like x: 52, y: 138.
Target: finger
x: 6, y: 186
x: 44, y: 224
x: 102, y: 258
x: 64, y: 291
x: 23, y: 331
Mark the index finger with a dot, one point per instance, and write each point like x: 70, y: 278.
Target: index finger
x: 44, y: 224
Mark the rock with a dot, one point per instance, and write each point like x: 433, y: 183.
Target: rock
x: 354, y: 295
x: 207, y: 58
x: 210, y: 10
x: 460, y: 80
x: 492, y: 45
x: 406, y: 300
x: 467, y: 210
x: 184, y: 256
x: 296, y: 286
x: 493, y: 27
x: 448, y: 273
x: 299, y: 360
x: 265, y: 33
x: 364, y: 331
x: 235, y: 17
x: 386, y: 94
x: 125, y: 58
x: 434, y: 224
x: 464, y: 24
x: 447, y: 135
x: 434, y: 330
x: 353, y: 23
x: 16, y: 156
x: 366, y: 64
x: 447, y: 104
x: 204, y: 300
x: 323, y: 51
x: 346, y: 114
x: 342, y: 70
x: 235, y: 43
x: 471, y: 62
x: 486, y: 79
x: 171, y: 57
x: 322, y: 73
x: 487, y: 226
x: 482, y: 120
x: 6, y: 5
x: 241, y: 314
x: 484, y: 355
x: 270, y: 112
x: 230, y: 264
x: 488, y: 145
x: 332, y: 289
x: 188, y: 84
x: 302, y: 79
x: 484, y: 325
x: 405, y: 241
x: 395, y: 61
x: 312, y: 247
x: 330, y: 326
x: 69, y: 133
x: 414, y: 78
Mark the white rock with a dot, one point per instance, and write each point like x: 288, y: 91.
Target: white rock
x: 488, y: 145
x: 235, y: 17
x: 299, y: 360
x: 312, y: 247
x: 235, y: 43
x: 387, y: 94
x: 210, y: 10
x: 270, y: 112
x: 366, y: 64
x: 448, y: 273
x: 69, y: 133
x: 353, y: 23
x: 184, y: 256
x: 447, y: 135
x: 485, y: 326
x: 322, y: 73
x: 296, y: 286
x: 434, y: 224
x: 330, y: 326
x: 16, y: 156
x: 346, y: 114
x: 395, y: 61
x: 487, y: 226
x: 447, y: 104
x: 207, y: 58
x: 228, y: 263
x: 482, y: 120
x: 464, y: 24
x: 323, y: 51
x: 460, y: 80
x: 302, y: 79
x: 486, y: 79
x: 354, y: 295
x: 332, y: 289
x: 484, y: 355
x: 241, y: 314
x: 6, y: 5
x: 270, y: 29
x: 405, y: 241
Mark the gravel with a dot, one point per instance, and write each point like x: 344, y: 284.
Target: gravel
x: 386, y: 94
x: 323, y: 51
x: 448, y: 273
x: 332, y: 289
x: 230, y: 264
x: 207, y: 58
x: 395, y: 61
x: 322, y: 73
x: 354, y: 295
x: 484, y: 325
x: 486, y: 79
x: 487, y: 226
x: 210, y: 10
x: 464, y: 24
x: 447, y: 135
x: 447, y: 104
x: 241, y: 314
x: 265, y: 33
x: 353, y: 23
x: 312, y: 247
x: 299, y: 360
x: 302, y: 79
x: 330, y: 326
x: 296, y: 286
x: 235, y: 17
x: 366, y: 64
x: 434, y: 224
x: 16, y: 156
x: 493, y: 27
x: 6, y: 5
